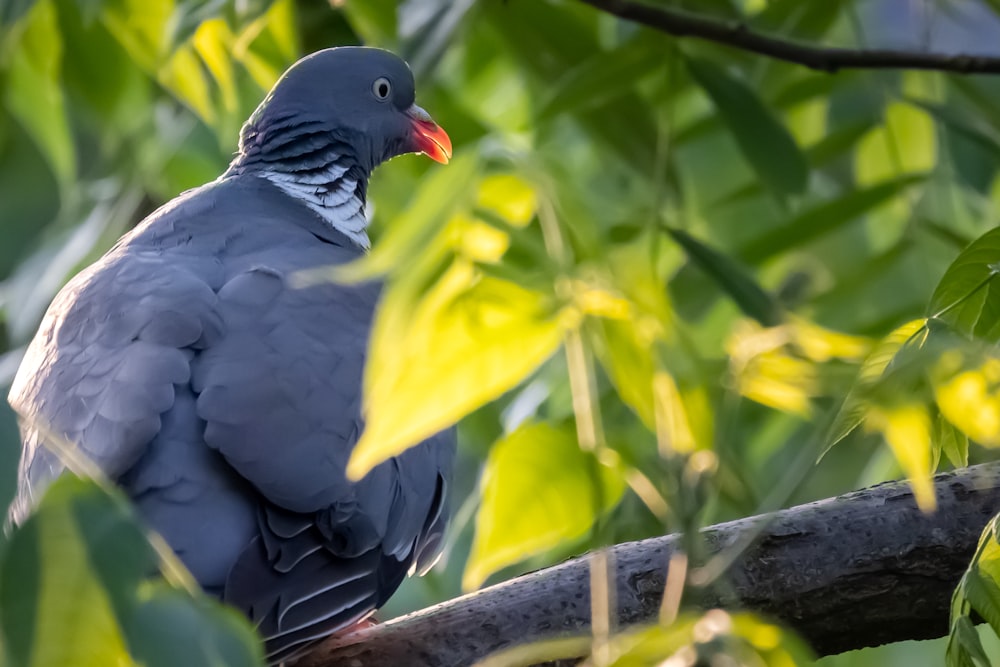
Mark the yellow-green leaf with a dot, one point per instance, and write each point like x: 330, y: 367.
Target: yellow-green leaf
x: 73, y: 622
x: 34, y: 91
x: 484, y: 336
x: 906, y: 428
x: 538, y: 491
x: 979, y: 591
x: 970, y: 400
x: 904, y: 144
x: 717, y: 637
x: 852, y: 412
x: 509, y: 196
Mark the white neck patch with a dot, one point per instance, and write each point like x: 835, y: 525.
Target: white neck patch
x: 331, y: 196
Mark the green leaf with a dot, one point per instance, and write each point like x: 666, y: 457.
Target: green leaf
x: 823, y: 219
x: 979, y: 591
x: 954, y: 444
x: 75, y: 589
x: 34, y: 91
x: 46, y: 570
x: 964, y: 646
x: 732, y: 278
x: 629, y: 363
x: 169, y: 628
x: 539, y: 491
x: 968, y: 296
x: 484, y: 336
x: 604, y: 76
x: 717, y: 637
x: 852, y: 412
x: 764, y: 141
x: 905, y: 143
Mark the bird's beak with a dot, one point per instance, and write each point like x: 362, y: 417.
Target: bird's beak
x: 428, y: 137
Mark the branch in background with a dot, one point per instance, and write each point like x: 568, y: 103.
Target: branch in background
x: 858, y: 570
x: 738, y: 35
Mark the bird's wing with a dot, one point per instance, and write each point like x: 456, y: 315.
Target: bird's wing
x: 102, y: 367
x: 281, y: 398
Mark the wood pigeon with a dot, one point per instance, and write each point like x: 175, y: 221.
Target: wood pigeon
x: 224, y: 399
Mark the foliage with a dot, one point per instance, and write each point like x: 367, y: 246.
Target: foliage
x: 76, y: 589
x: 979, y: 592
x: 661, y: 269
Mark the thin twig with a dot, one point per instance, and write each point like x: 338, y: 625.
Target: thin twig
x: 827, y: 59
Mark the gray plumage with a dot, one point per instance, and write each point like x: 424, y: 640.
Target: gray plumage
x: 225, y: 400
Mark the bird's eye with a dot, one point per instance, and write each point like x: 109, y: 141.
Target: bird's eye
x: 381, y: 88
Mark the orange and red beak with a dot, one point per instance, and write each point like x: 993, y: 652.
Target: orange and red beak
x: 428, y: 137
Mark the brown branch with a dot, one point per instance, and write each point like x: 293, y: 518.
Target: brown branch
x: 863, y: 569
x: 828, y: 59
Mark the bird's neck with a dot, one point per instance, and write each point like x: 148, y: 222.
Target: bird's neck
x: 312, y: 167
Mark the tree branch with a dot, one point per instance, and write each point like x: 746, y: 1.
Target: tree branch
x: 863, y: 569
x: 738, y: 35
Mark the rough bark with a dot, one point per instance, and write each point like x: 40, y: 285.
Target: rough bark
x: 858, y: 570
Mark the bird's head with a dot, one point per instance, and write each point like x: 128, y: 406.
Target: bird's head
x: 363, y: 96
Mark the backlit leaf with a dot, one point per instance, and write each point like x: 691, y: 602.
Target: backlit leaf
x: 54, y: 610
x: 33, y: 91
x: 538, y: 492
x: 484, y: 336
x: 852, y: 412
x: 906, y: 428
x: 970, y: 398
x: 77, y: 587
x: 904, y: 144
x: 717, y: 637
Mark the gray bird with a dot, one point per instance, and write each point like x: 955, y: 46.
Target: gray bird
x: 225, y: 400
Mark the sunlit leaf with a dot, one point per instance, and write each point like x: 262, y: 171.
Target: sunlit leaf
x: 969, y: 397
x: 142, y: 29
x: 852, y: 412
x: 765, y: 142
x: 54, y: 610
x: 76, y: 589
x: 539, y: 490
x: 184, y: 76
x: 904, y: 144
x: 906, y: 428
x: 34, y: 93
x: 509, y: 196
x: 213, y: 41
x: 765, y: 368
x: 629, y: 363
x: 715, y: 637
x: 484, y: 336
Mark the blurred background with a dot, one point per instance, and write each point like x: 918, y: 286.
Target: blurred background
x: 817, y: 212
